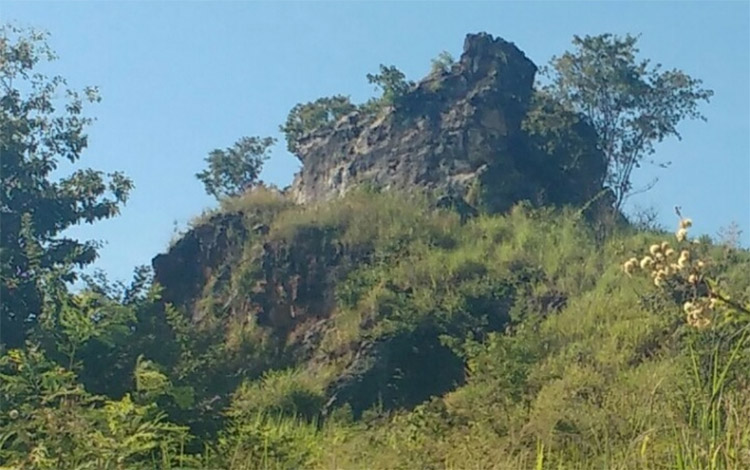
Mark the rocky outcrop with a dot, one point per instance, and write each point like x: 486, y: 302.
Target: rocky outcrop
x: 288, y: 282
x: 185, y: 269
x: 454, y: 129
x: 477, y: 134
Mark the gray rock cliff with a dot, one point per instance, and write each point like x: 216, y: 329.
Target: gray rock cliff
x: 452, y: 129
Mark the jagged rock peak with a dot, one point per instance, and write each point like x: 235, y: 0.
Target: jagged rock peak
x: 482, y: 51
x: 452, y: 129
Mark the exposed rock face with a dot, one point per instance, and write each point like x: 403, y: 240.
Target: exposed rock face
x: 293, y: 281
x: 453, y: 128
x: 184, y: 270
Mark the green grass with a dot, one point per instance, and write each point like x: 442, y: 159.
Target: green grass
x: 569, y: 362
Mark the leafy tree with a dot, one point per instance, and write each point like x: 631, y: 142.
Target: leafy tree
x: 100, y: 331
x: 443, y: 62
x: 393, y: 85
x: 317, y: 115
x: 41, y: 123
x: 631, y: 104
x: 564, y: 147
x: 48, y: 421
x: 235, y: 169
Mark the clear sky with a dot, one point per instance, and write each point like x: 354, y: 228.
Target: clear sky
x: 179, y: 79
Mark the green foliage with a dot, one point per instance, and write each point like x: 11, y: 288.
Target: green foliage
x: 306, y: 118
x: 282, y: 392
x: 101, y: 331
x: 442, y: 63
x: 392, y: 84
x: 267, y: 442
x: 567, y: 362
x: 272, y: 424
x: 151, y: 384
x: 236, y: 169
x: 631, y: 105
x: 72, y: 322
x: 380, y: 224
x: 48, y: 421
x: 567, y: 147
x: 41, y: 124
x: 604, y: 383
x: 323, y: 113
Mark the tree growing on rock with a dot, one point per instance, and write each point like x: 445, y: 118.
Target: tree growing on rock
x: 320, y: 114
x: 631, y: 104
x: 442, y: 63
x: 235, y: 169
x: 392, y: 84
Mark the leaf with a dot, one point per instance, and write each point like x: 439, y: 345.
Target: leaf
x: 184, y: 396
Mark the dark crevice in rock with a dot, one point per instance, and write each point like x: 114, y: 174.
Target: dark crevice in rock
x: 399, y: 371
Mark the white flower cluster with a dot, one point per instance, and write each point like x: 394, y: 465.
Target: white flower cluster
x: 664, y: 263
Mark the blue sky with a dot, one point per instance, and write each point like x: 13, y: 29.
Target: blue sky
x: 179, y: 79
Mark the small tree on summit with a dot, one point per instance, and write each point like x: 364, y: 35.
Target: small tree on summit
x: 392, y: 83
x: 233, y: 170
x: 442, y: 63
x: 632, y: 106
x: 317, y: 115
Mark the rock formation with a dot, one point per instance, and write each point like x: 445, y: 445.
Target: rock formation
x: 478, y: 135
x: 453, y: 129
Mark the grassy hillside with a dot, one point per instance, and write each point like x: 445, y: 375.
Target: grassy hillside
x: 408, y: 340
x: 557, y: 357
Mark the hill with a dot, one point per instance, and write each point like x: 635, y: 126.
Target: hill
x: 448, y: 283
x: 414, y: 340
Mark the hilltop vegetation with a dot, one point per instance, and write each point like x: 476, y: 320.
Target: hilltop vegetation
x: 381, y: 329
x: 493, y: 344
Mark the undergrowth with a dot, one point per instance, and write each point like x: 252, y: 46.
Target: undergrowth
x: 630, y: 352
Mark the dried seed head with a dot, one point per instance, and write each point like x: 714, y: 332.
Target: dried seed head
x: 630, y: 265
x: 698, y: 321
